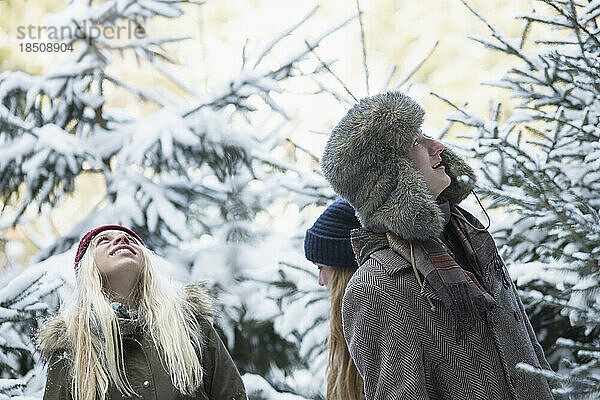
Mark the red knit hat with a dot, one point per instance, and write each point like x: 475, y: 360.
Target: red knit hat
x: 85, y: 241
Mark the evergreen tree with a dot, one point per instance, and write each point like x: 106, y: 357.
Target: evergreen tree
x: 25, y: 298
x: 541, y: 167
x: 189, y: 177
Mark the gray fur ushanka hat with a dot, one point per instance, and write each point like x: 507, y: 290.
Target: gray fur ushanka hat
x: 366, y: 162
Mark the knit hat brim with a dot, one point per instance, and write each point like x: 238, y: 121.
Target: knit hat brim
x: 327, y: 242
x: 87, y: 238
x: 333, y: 252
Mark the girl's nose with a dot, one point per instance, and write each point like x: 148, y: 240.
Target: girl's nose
x: 121, y: 238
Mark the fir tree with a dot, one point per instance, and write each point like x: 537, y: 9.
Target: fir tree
x: 189, y: 177
x: 24, y: 300
x: 541, y: 167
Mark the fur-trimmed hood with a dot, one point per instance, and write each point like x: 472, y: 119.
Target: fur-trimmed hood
x: 53, y: 336
x: 366, y: 162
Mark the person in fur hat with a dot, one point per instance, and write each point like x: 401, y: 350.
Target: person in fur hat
x: 130, y: 333
x: 327, y: 245
x: 431, y: 313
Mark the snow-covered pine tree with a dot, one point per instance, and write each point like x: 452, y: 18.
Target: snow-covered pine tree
x: 24, y: 300
x: 190, y: 177
x: 542, y: 168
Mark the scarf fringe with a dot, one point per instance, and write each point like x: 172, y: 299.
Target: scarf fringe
x: 466, y: 308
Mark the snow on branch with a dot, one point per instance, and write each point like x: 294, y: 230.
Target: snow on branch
x: 417, y: 66
x: 505, y: 44
x: 278, y: 38
x: 22, y: 303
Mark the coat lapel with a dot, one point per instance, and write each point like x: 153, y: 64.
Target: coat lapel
x: 420, y: 257
x: 399, y: 259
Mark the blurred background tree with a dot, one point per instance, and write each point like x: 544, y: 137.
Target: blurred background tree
x: 25, y: 299
x: 190, y: 175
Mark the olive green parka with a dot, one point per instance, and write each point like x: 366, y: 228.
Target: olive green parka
x: 147, y: 376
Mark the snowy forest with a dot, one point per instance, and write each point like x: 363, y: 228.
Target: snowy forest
x: 222, y: 181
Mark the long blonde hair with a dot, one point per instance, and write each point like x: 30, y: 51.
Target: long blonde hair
x: 343, y: 380
x: 167, y: 319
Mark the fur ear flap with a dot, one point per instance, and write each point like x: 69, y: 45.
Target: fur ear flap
x: 462, y: 177
x: 410, y: 210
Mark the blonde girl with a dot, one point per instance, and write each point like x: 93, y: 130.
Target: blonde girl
x: 131, y: 333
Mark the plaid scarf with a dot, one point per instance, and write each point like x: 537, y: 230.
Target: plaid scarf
x: 458, y: 288
x: 129, y: 320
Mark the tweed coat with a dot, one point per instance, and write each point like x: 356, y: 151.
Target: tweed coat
x: 148, y: 378
x: 405, y: 350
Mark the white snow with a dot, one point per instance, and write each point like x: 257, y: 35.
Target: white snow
x: 257, y: 385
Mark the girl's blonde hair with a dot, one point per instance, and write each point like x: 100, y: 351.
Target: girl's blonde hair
x: 343, y: 380
x: 92, y: 327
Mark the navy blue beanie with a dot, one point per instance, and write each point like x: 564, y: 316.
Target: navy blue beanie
x: 327, y: 242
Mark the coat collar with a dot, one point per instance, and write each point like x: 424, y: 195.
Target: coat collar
x: 369, y: 244
x: 365, y: 242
